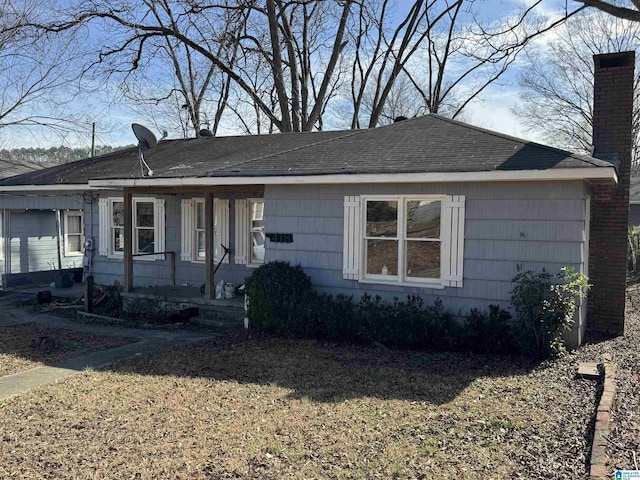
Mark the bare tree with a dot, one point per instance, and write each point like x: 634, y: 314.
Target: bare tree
x: 296, y: 32
x: 614, y: 8
x: 447, y: 49
x: 38, y: 74
x: 557, y: 87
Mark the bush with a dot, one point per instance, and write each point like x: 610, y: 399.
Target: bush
x: 488, y: 333
x: 545, y: 306
x: 281, y: 300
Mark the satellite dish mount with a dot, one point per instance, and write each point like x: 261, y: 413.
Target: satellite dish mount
x: 146, y: 141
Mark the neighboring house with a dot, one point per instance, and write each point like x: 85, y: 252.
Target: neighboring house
x: 39, y: 233
x: 427, y: 206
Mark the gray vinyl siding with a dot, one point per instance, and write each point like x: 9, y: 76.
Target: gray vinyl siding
x: 107, y: 270
x: 41, y: 202
x: 538, y: 225
x: 33, y: 242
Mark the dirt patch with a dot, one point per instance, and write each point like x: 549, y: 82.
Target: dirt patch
x: 30, y: 345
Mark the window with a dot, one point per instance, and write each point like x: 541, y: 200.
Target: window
x: 404, y: 239
x: 249, y: 232
x: 193, y: 229
x: 256, y: 231
x: 73, y: 233
x: 147, y: 221
x: 143, y: 226
x: 116, y: 213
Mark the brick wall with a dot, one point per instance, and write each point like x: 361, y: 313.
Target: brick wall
x: 612, y: 141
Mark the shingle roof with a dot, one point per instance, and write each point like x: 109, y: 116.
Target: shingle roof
x: 425, y: 144
x: 10, y: 168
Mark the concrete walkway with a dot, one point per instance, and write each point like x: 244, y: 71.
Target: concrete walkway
x: 147, y: 342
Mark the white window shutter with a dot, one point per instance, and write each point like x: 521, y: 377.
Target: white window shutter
x: 221, y: 213
x: 453, y: 241
x: 104, y: 223
x: 187, y: 229
x: 352, y: 238
x: 242, y: 232
x: 159, y: 227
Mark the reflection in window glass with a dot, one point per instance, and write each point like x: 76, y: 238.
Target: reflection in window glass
x: 257, y: 231
x: 382, y: 257
x: 423, y: 219
x: 423, y: 259
x: 117, y: 226
x: 144, y: 214
x: 74, y: 233
x: 382, y: 218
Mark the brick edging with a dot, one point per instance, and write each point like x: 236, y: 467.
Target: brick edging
x: 597, y: 464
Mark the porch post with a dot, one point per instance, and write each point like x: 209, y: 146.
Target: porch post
x: 128, y: 241
x: 209, y: 281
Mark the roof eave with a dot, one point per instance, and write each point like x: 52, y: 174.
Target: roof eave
x: 58, y: 187
x: 603, y: 174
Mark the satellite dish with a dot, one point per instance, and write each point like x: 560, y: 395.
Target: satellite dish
x: 205, y: 132
x: 146, y: 141
x: 146, y: 138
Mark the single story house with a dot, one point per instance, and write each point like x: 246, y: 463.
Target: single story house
x: 426, y: 206
x: 38, y: 233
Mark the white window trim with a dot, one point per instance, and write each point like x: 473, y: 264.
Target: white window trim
x: 250, y: 262
x: 219, y: 236
x: 400, y: 279
x: 112, y: 253
x: 158, y: 235
x: 67, y: 251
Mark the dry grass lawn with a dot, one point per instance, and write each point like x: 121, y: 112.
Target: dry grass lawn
x: 270, y: 408
x: 31, y: 345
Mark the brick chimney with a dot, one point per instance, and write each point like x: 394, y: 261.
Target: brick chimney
x: 612, y: 141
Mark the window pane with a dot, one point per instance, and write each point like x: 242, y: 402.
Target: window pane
x: 201, y: 245
x: 200, y: 215
x: 144, y: 214
x: 118, y: 214
x: 423, y: 219
x: 73, y: 224
x: 74, y: 243
x: 257, y: 210
x: 382, y: 257
x: 145, y: 241
x: 257, y: 215
x: 118, y: 239
x: 423, y: 259
x: 382, y: 219
x: 257, y: 246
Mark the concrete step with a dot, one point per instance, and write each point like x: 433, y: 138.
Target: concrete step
x: 219, y: 317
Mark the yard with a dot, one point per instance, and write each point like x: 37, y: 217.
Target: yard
x: 30, y: 345
x: 265, y: 407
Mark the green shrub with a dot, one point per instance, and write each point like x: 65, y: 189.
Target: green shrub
x: 488, y: 333
x: 279, y: 298
x: 545, y: 306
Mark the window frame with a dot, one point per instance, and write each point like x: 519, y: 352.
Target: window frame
x: 67, y: 251
x: 401, y: 278
x: 112, y: 253
x: 251, y: 262
x: 195, y: 257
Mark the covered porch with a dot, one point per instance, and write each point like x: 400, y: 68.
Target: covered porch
x: 194, y: 239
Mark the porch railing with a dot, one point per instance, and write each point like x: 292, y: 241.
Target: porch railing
x: 172, y: 259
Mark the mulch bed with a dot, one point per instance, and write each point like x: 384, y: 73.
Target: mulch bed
x: 29, y: 345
